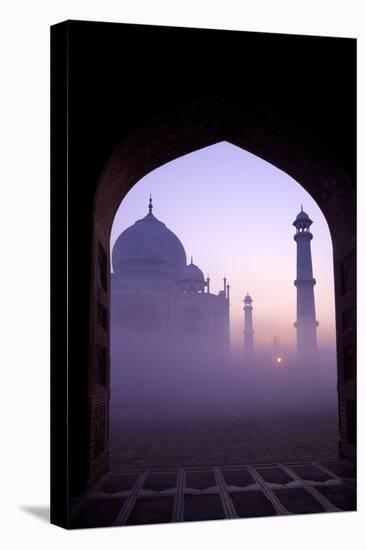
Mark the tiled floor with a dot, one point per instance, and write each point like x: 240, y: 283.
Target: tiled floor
x: 223, y: 441
x: 212, y: 468
x: 155, y: 496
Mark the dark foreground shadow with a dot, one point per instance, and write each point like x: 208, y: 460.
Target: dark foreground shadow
x: 40, y: 512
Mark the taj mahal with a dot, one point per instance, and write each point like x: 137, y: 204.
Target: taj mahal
x: 162, y: 309
x: 161, y: 304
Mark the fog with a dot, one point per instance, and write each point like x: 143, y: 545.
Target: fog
x: 156, y: 381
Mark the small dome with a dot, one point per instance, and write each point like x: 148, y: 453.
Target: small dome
x: 192, y: 273
x: 302, y: 220
x: 248, y: 299
x: 191, y: 279
x: 148, y: 246
x: 302, y: 216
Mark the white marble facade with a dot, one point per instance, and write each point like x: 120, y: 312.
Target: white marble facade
x: 162, y: 307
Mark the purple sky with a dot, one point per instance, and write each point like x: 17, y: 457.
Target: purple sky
x: 233, y: 212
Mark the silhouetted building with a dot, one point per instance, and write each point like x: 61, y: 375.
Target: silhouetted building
x: 162, y: 307
x: 306, y: 323
x: 248, y: 328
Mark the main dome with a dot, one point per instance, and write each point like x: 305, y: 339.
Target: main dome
x: 148, y: 246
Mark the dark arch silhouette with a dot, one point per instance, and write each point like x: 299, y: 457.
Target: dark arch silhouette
x: 273, y: 139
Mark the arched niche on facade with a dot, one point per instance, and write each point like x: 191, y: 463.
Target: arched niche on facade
x: 139, y: 318
x: 273, y: 139
x: 192, y: 320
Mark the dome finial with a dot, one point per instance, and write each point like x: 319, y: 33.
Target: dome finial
x: 150, y: 205
x: 191, y: 259
x: 302, y: 209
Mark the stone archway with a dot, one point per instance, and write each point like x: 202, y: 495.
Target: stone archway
x: 273, y: 139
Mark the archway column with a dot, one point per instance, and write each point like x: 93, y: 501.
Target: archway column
x: 99, y: 372
x: 345, y: 290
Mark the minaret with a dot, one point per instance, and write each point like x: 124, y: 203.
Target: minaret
x: 226, y: 313
x: 208, y: 284
x: 248, y: 326
x: 305, y: 321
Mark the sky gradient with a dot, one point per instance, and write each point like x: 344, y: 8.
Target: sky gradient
x: 233, y: 213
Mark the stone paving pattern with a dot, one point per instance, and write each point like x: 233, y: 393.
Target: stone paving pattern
x: 216, y: 468
x: 178, y: 443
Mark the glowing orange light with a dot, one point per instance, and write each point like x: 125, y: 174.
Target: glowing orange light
x: 279, y: 359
